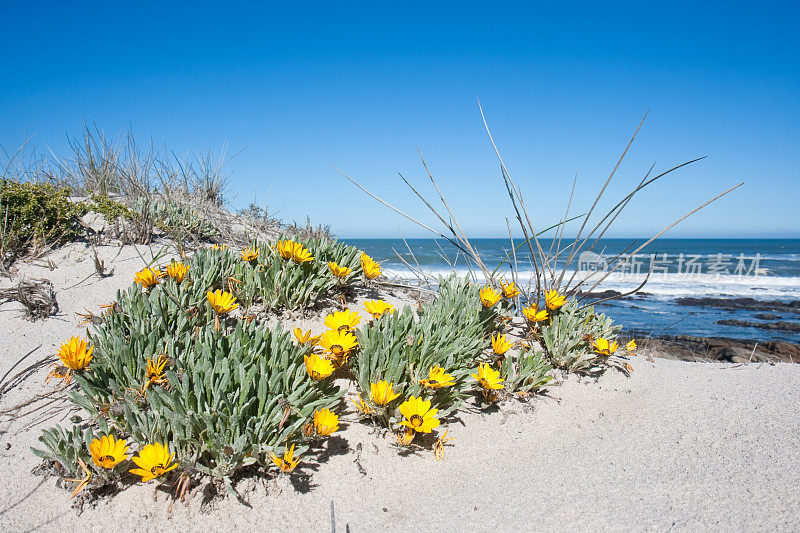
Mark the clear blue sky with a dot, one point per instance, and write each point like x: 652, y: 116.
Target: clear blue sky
x: 362, y: 86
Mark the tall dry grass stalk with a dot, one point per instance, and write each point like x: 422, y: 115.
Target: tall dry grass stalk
x: 548, y: 274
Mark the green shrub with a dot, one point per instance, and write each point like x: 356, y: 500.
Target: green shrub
x: 451, y: 332
x: 110, y: 209
x: 569, y: 335
x: 35, y: 211
x: 525, y: 372
x: 229, y: 398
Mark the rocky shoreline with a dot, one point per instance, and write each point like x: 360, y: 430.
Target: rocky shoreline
x: 722, y: 349
x: 742, y: 304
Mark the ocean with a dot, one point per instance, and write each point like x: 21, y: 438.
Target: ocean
x: 762, y: 269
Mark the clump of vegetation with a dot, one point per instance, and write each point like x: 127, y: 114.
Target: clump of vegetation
x: 430, y: 358
x: 178, y: 221
x: 173, y: 370
x: 571, y: 336
x: 109, y: 208
x: 34, y: 217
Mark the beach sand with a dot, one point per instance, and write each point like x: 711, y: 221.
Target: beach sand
x: 674, y: 446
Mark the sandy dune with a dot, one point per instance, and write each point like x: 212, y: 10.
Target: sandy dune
x: 676, y: 446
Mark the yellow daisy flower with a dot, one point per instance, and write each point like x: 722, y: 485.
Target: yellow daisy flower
x: 338, y: 343
x: 418, y: 415
x: 318, y: 367
x: 294, y: 251
x: 535, y: 315
x: 378, y: 308
x: 382, y: 392
x: 249, y: 254
x: 221, y: 301
x: 361, y: 405
x: 631, y: 346
x: 153, y: 461
x: 75, y: 355
x: 438, y: 378
x: 371, y: 268
x: 605, y: 347
x: 177, y: 271
x: 500, y: 345
x: 488, y: 378
x: 325, y: 421
x: 339, y: 271
x: 553, y: 300
x: 489, y: 296
x: 108, y: 452
x: 147, y: 278
x: 510, y: 290
x: 305, y: 337
x: 287, y: 463
x: 343, y: 320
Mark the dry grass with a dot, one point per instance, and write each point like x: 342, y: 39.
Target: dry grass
x: 37, y: 296
x: 549, y: 274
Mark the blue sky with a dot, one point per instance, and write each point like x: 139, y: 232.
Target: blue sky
x: 301, y: 88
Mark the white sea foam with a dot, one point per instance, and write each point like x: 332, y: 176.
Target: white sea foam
x: 663, y: 286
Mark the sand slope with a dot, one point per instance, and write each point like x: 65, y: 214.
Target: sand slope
x: 676, y: 446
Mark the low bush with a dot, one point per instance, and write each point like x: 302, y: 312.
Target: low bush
x: 36, y: 214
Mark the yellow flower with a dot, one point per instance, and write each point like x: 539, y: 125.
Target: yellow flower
x: 371, y: 268
x: 287, y: 463
x: 155, y: 370
x: 294, y: 251
x: 361, y: 405
x: 218, y: 247
x: 147, y: 278
x: 325, y: 421
x: 489, y: 296
x: 343, y: 320
x: 75, y: 355
x: 108, y: 452
x: 338, y: 343
x: 419, y: 415
x: 222, y: 302
x: 535, y: 315
x: 510, y: 290
x: 153, y: 461
x: 339, y: 271
x: 500, y: 345
x: 378, y: 308
x: 177, y: 271
x: 405, y: 437
x: 318, y: 367
x: 437, y: 378
x: 604, y: 347
x: 631, y: 346
x: 305, y: 338
x: 249, y: 254
x: 554, y: 300
x: 488, y: 378
x: 382, y: 392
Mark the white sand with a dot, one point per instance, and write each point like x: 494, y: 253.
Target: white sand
x: 676, y: 446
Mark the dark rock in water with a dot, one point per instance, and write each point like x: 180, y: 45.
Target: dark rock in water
x: 688, y: 348
x: 605, y: 295
x: 781, y: 325
x: 749, y: 304
x: 767, y: 316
